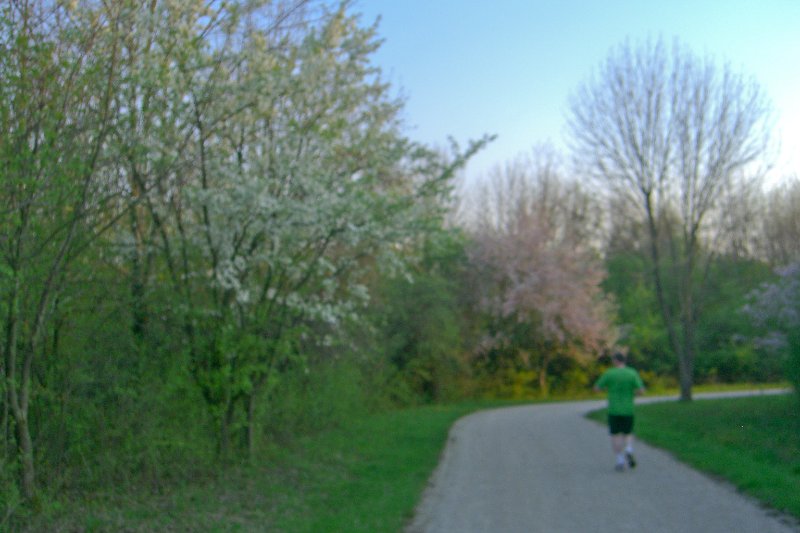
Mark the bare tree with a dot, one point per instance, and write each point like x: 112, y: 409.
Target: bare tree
x: 779, y: 230
x: 736, y: 223
x: 669, y: 133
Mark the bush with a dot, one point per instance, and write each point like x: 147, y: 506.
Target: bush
x: 10, y: 498
x: 310, y: 398
x: 656, y: 383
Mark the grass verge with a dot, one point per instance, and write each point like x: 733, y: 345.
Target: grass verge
x: 365, y: 477
x: 753, y: 442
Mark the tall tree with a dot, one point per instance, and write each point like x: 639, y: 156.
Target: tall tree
x: 57, y: 79
x: 669, y: 133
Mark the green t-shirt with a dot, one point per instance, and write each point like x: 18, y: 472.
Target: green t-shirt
x: 621, y: 384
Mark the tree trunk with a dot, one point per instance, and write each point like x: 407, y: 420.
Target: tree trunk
x: 140, y: 263
x: 17, y: 395
x: 685, y: 370
x: 6, y: 427
x: 544, y: 388
x: 684, y: 350
x: 686, y: 354
x: 5, y: 422
x: 28, y: 484
x: 226, y: 423
x: 251, y: 428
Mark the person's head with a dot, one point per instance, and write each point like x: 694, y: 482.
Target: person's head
x: 618, y: 358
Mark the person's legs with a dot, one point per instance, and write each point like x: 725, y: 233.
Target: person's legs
x: 620, y: 428
x: 618, y: 446
x: 628, y: 441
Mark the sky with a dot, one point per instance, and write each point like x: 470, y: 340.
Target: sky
x: 508, y: 67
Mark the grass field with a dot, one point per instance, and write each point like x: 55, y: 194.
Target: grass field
x: 369, y: 475
x: 752, y: 442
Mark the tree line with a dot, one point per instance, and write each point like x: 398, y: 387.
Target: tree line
x: 215, y: 233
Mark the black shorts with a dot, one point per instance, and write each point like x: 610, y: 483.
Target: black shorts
x: 620, y: 424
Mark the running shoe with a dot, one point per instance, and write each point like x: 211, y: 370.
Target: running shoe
x: 631, y: 460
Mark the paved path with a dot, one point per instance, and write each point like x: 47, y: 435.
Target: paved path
x: 546, y: 468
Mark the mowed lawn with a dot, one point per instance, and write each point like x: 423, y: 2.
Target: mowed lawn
x: 752, y: 442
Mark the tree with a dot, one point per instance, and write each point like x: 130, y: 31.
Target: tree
x: 536, y: 266
x: 270, y: 160
x: 57, y: 79
x: 669, y: 133
x: 779, y: 231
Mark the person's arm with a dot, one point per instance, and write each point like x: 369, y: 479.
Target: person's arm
x: 640, y: 390
x: 600, y: 384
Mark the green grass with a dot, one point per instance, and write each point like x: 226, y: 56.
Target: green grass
x: 716, y: 387
x: 366, y: 477
x: 369, y: 474
x: 752, y: 442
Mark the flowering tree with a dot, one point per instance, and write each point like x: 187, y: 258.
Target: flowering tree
x: 536, y: 266
x: 274, y: 176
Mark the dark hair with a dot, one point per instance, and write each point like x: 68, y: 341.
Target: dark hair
x: 619, y: 357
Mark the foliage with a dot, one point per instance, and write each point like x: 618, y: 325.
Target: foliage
x: 724, y: 352
x: 198, y: 197
x: 641, y: 327
x: 55, y: 80
x: 422, y: 324
x: 775, y: 308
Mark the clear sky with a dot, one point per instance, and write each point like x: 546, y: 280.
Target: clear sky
x: 508, y: 67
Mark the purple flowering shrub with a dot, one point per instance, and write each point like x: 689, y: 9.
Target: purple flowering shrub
x: 775, y: 309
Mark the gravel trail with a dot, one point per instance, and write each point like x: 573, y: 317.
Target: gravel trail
x: 545, y: 468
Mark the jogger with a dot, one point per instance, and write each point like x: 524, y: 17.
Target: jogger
x: 622, y: 384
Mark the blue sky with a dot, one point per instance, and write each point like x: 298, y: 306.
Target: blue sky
x: 508, y: 67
